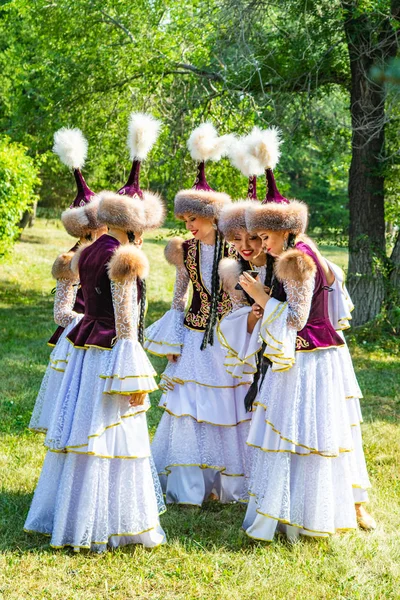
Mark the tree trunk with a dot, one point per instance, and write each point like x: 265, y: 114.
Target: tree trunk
x: 395, y: 272
x: 367, y: 256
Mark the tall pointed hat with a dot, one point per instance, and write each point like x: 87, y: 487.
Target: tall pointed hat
x: 253, y: 154
x: 80, y: 219
x: 276, y: 213
x: 131, y: 208
x: 204, y: 144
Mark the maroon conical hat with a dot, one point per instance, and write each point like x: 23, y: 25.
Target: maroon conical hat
x: 252, y: 188
x: 137, y: 210
x: 204, y: 144
x: 132, y: 186
x: 84, y: 193
x: 273, y: 194
x: 201, y: 180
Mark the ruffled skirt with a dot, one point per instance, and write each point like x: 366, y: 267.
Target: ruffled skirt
x: 199, y: 447
x: 52, y: 380
x: 307, y: 448
x: 98, y: 485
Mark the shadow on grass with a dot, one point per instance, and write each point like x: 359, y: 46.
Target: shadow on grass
x: 199, y: 529
x: 14, y: 508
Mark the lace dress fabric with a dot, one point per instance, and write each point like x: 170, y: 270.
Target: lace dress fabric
x: 99, y: 486
x: 124, y: 296
x: 64, y: 300
x: 305, y: 435
x: 201, y: 436
x: 181, y: 289
x: 299, y: 297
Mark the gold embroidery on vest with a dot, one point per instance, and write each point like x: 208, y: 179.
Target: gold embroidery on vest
x: 301, y: 343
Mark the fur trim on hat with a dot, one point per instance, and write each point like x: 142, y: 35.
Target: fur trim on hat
x: 71, y: 147
x: 122, y: 212
x: 82, y: 220
x: 154, y: 209
x: 173, y: 251
x: 76, y: 257
x: 232, y: 218
x: 294, y: 265
x: 127, y: 263
x: 292, y: 217
x: 61, y: 268
x: 229, y: 271
x: 202, y: 203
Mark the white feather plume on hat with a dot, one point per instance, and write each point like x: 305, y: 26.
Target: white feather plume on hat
x: 205, y: 144
x: 257, y: 151
x: 143, y: 132
x: 71, y: 146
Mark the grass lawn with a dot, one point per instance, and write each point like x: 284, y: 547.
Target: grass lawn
x: 207, y: 556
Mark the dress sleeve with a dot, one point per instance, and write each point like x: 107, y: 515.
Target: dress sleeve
x: 299, y: 297
x: 340, y: 304
x: 181, y: 289
x: 124, y: 297
x: 165, y: 336
x: 127, y: 370
x: 64, y: 300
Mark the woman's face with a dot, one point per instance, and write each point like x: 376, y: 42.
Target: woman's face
x: 247, y: 244
x: 199, y: 227
x: 273, y: 241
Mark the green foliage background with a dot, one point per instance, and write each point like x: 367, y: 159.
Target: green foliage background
x: 89, y: 63
x: 18, y: 178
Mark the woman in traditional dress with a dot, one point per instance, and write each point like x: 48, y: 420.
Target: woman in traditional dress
x: 199, y: 447
x: 305, y: 436
x: 98, y: 485
x: 80, y: 221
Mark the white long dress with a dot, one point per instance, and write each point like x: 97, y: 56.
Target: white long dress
x: 308, y: 465
x: 200, y: 444
x: 65, y: 295
x: 98, y: 486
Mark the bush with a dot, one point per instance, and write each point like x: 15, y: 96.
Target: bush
x: 18, y: 179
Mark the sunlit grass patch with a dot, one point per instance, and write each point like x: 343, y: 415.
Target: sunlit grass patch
x: 207, y: 556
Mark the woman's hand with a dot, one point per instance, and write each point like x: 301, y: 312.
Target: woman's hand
x: 137, y: 399
x: 173, y: 358
x: 257, y: 310
x: 254, y: 289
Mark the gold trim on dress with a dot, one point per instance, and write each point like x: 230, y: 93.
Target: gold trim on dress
x: 313, y: 450
x: 97, y: 543
x: 322, y: 348
x: 161, y: 343
x: 150, y: 375
x: 167, y: 469
x: 285, y: 522
x: 206, y: 422
x: 183, y: 381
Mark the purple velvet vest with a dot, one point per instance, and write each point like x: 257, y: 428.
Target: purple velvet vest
x: 318, y: 332
x: 79, y: 307
x: 97, y: 328
x: 199, y: 309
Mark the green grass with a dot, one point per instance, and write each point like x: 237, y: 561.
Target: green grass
x: 207, y: 557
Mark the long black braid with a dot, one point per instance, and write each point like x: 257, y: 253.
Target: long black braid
x: 208, y: 337
x: 142, y: 288
x: 142, y: 313
x: 263, y: 363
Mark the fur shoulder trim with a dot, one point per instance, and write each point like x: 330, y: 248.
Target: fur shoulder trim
x: 229, y: 271
x: 173, y: 251
x: 295, y: 265
x: 127, y: 263
x: 76, y: 257
x: 61, y: 268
